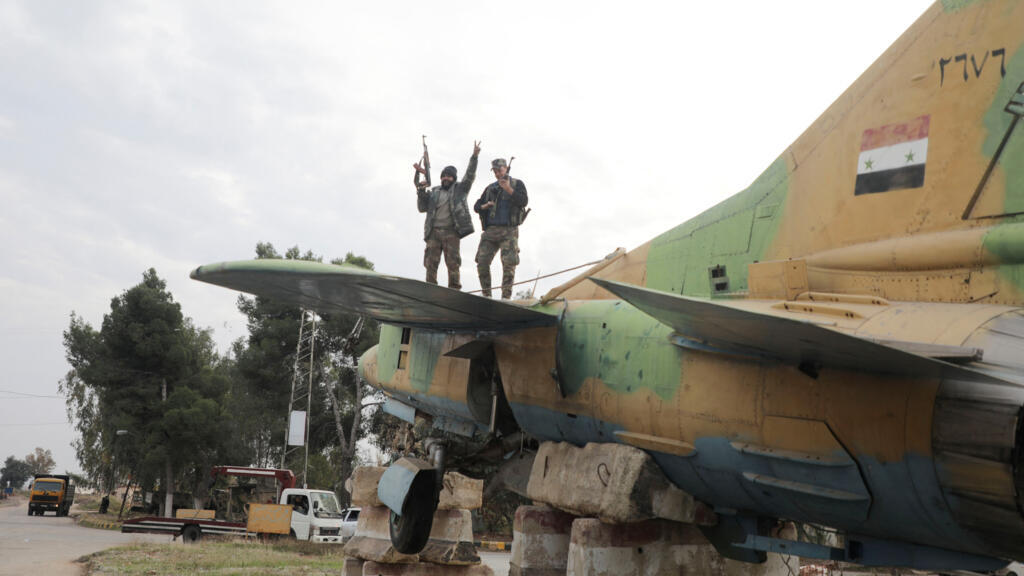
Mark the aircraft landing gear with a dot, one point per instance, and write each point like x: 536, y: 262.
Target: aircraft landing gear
x: 421, y: 483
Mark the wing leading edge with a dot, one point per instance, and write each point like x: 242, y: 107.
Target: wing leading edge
x: 391, y: 299
x: 719, y: 327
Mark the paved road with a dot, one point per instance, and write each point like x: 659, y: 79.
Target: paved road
x: 498, y: 561
x: 37, y: 545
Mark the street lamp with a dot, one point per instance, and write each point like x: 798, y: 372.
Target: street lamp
x: 119, y: 433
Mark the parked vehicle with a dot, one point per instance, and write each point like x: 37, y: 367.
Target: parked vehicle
x: 51, y: 492
x: 1011, y: 569
x: 350, y: 517
x: 315, y: 514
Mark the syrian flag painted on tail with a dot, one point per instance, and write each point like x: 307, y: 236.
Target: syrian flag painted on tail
x: 893, y: 157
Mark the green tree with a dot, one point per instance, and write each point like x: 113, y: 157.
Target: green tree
x: 15, y: 471
x: 148, y: 393
x: 265, y: 362
x: 40, y: 461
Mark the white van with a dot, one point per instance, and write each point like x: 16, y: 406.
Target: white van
x: 316, y: 515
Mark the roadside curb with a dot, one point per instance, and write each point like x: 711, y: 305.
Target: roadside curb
x: 101, y: 524
x: 495, y: 545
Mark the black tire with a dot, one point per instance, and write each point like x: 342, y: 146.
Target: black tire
x: 31, y: 511
x: 411, y: 530
x: 191, y: 534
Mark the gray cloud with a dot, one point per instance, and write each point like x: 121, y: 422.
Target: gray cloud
x: 171, y: 134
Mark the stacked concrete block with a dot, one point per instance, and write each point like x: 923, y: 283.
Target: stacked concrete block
x: 372, y: 539
x: 353, y: 567
x: 449, y: 551
x: 540, y: 541
x: 613, y: 482
x: 424, y: 569
x: 451, y: 539
x: 364, y: 483
x: 619, y: 515
x: 549, y: 542
x: 655, y: 548
x: 460, y: 492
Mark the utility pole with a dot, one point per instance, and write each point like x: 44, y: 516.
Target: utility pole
x: 296, y: 431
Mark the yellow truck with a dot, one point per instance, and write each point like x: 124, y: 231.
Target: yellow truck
x: 51, y: 492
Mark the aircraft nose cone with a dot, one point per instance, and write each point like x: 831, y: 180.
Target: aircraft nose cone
x: 368, y: 367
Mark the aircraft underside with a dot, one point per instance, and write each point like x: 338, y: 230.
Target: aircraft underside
x: 915, y: 470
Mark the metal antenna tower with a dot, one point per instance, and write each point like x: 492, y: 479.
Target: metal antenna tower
x: 296, y: 433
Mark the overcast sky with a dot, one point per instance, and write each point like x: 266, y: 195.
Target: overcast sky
x: 173, y: 134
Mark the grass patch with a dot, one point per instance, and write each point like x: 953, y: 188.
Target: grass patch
x: 96, y: 520
x: 219, y: 557
x: 89, y: 502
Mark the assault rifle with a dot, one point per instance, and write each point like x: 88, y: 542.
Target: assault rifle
x: 522, y: 213
x: 426, y: 162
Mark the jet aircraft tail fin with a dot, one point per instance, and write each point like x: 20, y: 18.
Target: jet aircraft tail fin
x: 909, y: 186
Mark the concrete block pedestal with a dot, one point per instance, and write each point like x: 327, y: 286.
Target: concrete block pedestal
x: 540, y: 541
x: 449, y: 551
x: 654, y: 548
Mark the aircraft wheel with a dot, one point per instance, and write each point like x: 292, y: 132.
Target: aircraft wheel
x: 411, y: 530
x: 191, y: 534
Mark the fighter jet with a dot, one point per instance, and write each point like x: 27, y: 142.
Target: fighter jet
x: 841, y: 343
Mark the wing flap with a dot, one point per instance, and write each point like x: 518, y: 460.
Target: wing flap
x: 391, y: 299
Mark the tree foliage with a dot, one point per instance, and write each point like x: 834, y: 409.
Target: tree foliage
x: 147, y: 391
x: 265, y: 367
x: 40, y: 461
x: 15, y: 471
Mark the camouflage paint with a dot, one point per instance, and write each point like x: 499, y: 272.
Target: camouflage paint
x: 956, y: 5
x: 615, y: 343
x: 1006, y: 241
x: 733, y: 233
x: 387, y: 351
x: 425, y: 350
x: 997, y: 121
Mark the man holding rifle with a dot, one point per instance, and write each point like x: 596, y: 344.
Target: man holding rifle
x: 502, y: 208
x: 448, y: 219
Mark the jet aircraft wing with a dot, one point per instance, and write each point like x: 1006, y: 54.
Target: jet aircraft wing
x: 719, y: 327
x: 391, y: 299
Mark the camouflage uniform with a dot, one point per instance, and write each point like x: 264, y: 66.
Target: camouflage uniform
x: 446, y: 241
x: 448, y: 221
x: 494, y: 238
x: 501, y: 232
